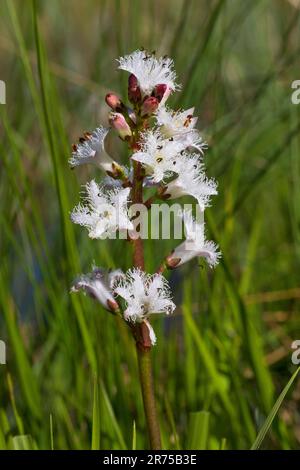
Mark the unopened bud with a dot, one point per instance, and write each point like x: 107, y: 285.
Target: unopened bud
x: 171, y: 262
x: 134, y: 91
x: 118, y: 122
x: 149, y: 106
x: 112, y: 305
x: 162, y: 92
x: 113, y: 101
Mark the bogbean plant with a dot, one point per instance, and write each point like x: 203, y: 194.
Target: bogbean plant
x: 166, y: 154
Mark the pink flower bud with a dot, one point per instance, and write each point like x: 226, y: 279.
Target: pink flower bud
x: 118, y: 122
x: 171, y: 262
x: 162, y: 92
x: 113, y: 101
x: 149, y: 106
x: 112, y: 305
x: 132, y: 81
x: 134, y: 92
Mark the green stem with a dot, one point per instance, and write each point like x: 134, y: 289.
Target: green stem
x: 146, y: 379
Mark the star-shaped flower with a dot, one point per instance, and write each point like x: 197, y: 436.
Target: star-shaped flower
x: 157, y: 154
x: 191, y: 180
x: 181, y: 126
x: 144, y: 294
x: 195, y: 245
x: 105, y: 211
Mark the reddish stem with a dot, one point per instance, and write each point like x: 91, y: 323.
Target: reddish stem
x: 141, y: 331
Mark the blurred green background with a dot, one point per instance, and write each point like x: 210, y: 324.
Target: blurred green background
x: 222, y: 360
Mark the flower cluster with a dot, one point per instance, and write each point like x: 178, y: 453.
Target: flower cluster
x: 166, y: 155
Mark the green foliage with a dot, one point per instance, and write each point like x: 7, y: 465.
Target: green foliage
x: 226, y: 351
x: 198, y: 430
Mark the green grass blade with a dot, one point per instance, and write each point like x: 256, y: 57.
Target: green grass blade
x: 267, y: 424
x: 134, y: 436
x: 17, y: 416
x: 27, y: 378
x: 114, y: 422
x: 96, y: 418
x: 51, y: 432
x: 23, y: 442
x: 198, y: 430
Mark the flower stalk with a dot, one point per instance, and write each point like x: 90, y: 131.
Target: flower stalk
x: 147, y: 386
x: 143, y: 344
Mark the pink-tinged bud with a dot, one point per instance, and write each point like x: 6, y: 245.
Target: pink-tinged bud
x: 149, y: 106
x: 113, y: 101
x: 134, y: 91
x: 171, y: 262
x: 162, y: 92
x: 112, y: 305
x: 118, y: 122
x: 132, y: 81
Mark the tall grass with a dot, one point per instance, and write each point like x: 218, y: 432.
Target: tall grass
x: 224, y: 357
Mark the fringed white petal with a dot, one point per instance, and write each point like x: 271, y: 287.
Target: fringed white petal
x: 97, y: 285
x: 105, y: 212
x: 149, y: 70
x: 91, y: 150
x: 144, y: 295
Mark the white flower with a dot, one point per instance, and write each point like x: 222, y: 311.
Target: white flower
x: 160, y: 155
x: 191, y: 180
x: 105, y: 212
x: 191, y: 140
x: 98, y: 285
x: 149, y: 70
x: 175, y: 122
x: 157, y: 154
x: 194, y: 245
x: 144, y: 295
x: 181, y: 126
x: 91, y: 150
